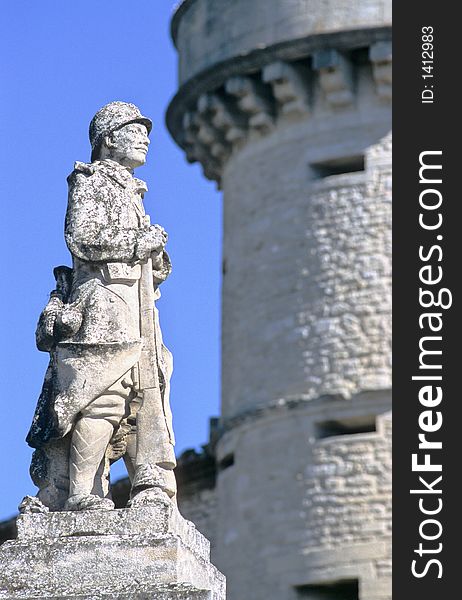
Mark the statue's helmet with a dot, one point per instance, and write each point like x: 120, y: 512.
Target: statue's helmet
x: 111, y: 117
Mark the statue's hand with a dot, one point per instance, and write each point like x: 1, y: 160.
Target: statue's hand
x: 69, y: 320
x: 159, y: 236
x: 151, y: 240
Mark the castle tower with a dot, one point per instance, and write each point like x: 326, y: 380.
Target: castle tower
x: 286, y: 104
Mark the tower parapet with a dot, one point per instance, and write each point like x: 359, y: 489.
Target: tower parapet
x: 287, y: 106
x: 290, y: 57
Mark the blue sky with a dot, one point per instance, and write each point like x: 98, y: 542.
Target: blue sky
x: 61, y: 62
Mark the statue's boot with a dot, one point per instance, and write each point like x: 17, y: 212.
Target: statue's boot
x: 90, y: 502
x: 149, y: 483
x: 90, y: 439
x: 147, y: 480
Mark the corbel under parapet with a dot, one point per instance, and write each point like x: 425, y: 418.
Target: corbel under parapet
x: 195, y: 150
x: 335, y: 76
x: 380, y: 55
x: 223, y: 116
x: 254, y: 100
x: 290, y: 85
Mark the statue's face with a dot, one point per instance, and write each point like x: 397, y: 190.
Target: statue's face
x: 128, y: 145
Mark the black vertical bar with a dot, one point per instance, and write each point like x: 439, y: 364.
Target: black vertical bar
x: 433, y: 125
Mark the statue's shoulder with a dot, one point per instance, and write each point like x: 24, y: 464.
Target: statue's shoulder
x: 85, y: 171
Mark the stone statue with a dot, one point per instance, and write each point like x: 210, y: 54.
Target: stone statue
x: 106, y: 390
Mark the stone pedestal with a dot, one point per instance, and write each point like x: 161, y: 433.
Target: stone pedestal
x: 139, y: 553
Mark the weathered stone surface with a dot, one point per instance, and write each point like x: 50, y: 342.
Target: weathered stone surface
x: 170, y: 592
x: 106, y: 390
x: 126, y: 553
x: 106, y: 396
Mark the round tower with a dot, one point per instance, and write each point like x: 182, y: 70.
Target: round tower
x: 287, y: 106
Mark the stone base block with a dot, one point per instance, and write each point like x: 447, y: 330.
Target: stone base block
x: 138, y: 553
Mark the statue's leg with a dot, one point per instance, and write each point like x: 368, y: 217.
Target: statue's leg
x: 87, y: 460
x: 89, y: 442
x: 148, y: 480
x: 54, y: 490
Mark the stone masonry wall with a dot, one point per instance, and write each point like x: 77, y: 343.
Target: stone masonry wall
x: 348, y: 324
x: 348, y: 501
x: 305, y: 509
x: 307, y: 270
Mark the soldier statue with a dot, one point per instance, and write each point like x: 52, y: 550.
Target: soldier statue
x: 106, y: 390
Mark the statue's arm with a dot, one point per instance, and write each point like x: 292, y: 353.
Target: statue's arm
x: 91, y: 232
x: 161, y: 267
